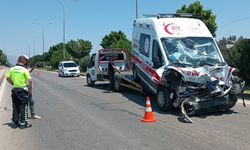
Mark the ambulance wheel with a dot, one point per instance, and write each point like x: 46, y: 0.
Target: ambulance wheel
x: 164, y: 100
x: 90, y: 82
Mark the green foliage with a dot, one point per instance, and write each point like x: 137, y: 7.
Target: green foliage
x: 3, y: 58
x: 57, y: 57
x: 35, y: 59
x: 122, y: 44
x: 230, y: 40
x: 117, y: 40
x: 196, y: 9
x: 79, y: 48
x: 112, y: 38
x: 239, y: 57
x: 84, y: 62
x: 39, y: 64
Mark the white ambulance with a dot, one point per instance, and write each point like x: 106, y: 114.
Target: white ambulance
x: 176, y: 58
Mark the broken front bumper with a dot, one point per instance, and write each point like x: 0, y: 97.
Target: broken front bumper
x: 212, y: 104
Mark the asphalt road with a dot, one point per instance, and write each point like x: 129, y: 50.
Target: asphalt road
x: 77, y: 117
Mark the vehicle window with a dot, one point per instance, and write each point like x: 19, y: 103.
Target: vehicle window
x: 157, y: 57
x: 194, y: 51
x: 92, y: 60
x: 144, y: 44
x: 67, y: 65
x: 106, y: 56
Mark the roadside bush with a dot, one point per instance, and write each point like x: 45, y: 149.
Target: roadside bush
x: 57, y: 57
x: 84, y: 63
x: 239, y: 57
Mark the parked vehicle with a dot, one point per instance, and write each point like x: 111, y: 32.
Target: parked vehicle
x: 177, y: 59
x: 68, y: 68
x: 97, y: 69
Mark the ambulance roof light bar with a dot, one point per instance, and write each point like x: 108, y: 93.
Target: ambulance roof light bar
x: 162, y: 15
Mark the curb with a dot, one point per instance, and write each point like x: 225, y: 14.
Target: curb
x: 2, y: 86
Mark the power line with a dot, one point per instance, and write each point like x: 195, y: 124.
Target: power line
x: 236, y: 21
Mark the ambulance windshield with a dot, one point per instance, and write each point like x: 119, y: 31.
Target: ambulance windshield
x: 192, y: 51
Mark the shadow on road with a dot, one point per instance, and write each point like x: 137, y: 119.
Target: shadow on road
x: 11, y: 125
x: 216, y: 113
x: 140, y: 99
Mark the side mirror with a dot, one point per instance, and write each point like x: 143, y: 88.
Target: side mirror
x: 156, y: 62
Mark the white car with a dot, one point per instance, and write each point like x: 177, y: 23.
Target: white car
x: 68, y: 68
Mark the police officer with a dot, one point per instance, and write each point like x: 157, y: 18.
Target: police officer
x: 20, y: 79
x: 111, y: 73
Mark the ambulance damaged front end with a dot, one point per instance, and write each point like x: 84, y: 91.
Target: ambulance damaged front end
x: 198, y: 77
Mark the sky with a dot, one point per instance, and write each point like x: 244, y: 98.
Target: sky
x: 21, y: 21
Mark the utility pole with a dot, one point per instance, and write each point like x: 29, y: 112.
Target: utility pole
x: 63, y: 8
x: 34, y: 48
x: 137, y: 9
x: 29, y: 51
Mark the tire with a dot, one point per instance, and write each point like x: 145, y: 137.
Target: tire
x: 89, y: 81
x: 164, y: 101
x: 135, y: 74
x: 59, y: 75
x: 117, y: 86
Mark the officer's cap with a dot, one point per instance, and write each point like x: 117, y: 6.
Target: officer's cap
x: 26, y: 57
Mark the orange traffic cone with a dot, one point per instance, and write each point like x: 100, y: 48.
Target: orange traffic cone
x: 149, y: 116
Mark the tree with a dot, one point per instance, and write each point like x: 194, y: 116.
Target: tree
x: 122, y: 44
x: 196, y: 9
x: 36, y: 60
x: 117, y: 40
x: 112, y: 38
x: 3, y: 58
x: 84, y: 62
x: 54, y: 48
x: 239, y: 57
x: 79, y: 48
x: 230, y: 40
x: 57, y: 57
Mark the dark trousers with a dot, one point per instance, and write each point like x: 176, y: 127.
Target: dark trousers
x: 20, y: 106
x: 31, y: 105
x: 112, y: 81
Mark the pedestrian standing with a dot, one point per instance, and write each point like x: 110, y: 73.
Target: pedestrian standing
x: 31, y: 101
x: 20, y: 79
x: 111, y: 73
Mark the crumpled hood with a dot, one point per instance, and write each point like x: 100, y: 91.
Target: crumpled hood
x: 205, y: 74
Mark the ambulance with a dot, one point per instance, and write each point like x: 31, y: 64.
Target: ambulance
x: 176, y: 58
